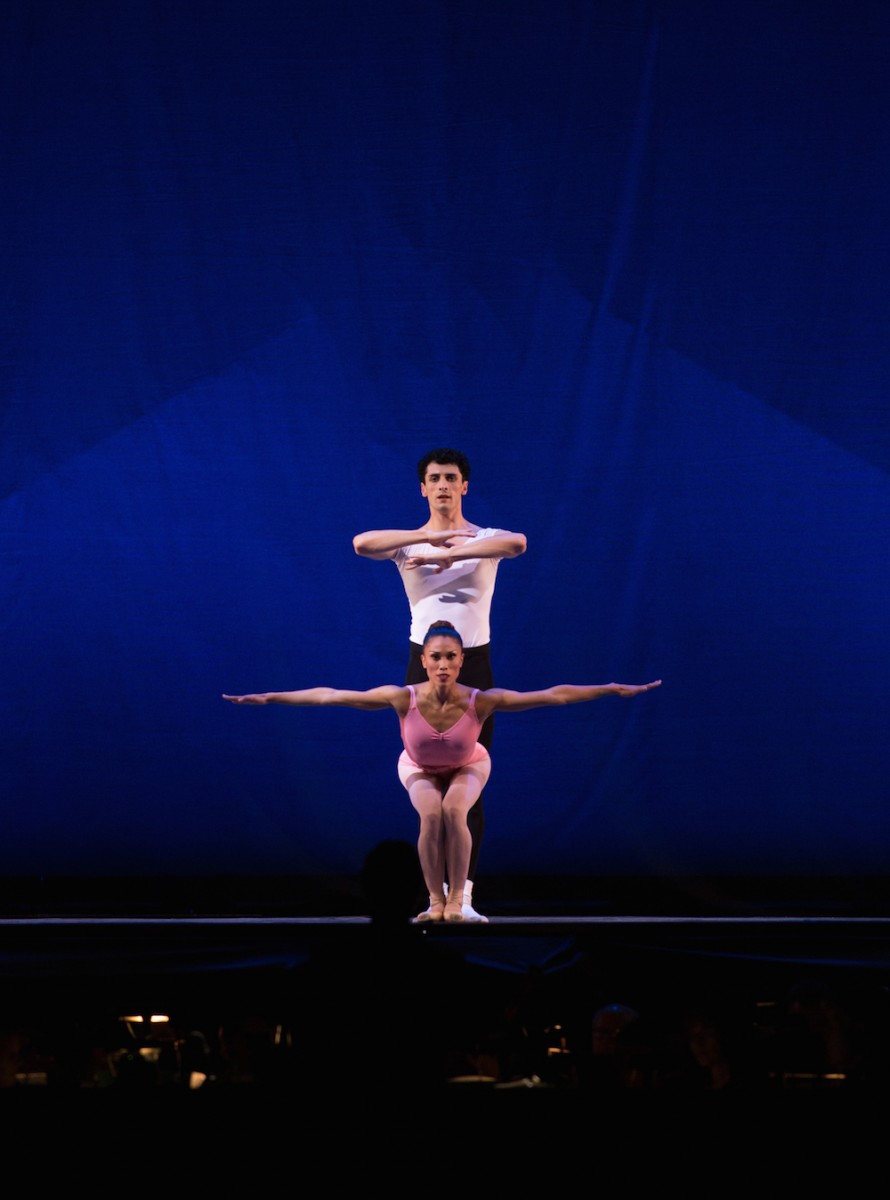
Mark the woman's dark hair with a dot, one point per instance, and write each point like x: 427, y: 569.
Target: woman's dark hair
x: 443, y: 629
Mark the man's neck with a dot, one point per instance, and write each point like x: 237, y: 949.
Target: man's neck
x: 452, y: 518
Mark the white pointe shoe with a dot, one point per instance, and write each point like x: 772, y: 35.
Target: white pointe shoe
x: 468, y: 912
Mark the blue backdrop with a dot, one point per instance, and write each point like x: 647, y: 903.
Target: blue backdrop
x: 632, y: 258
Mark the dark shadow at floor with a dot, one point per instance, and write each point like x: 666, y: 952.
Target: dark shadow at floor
x: 536, y: 896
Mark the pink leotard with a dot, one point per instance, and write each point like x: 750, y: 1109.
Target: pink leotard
x: 439, y: 753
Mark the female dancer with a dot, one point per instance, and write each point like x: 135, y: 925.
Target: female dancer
x: 443, y: 766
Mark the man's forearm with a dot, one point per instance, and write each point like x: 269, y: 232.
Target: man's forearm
x: 385, y: 541
x: 503, y: 545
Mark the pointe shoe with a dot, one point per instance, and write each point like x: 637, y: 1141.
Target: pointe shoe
x: 453, y: 911
x: 470, y: 915
x: 435, y: 912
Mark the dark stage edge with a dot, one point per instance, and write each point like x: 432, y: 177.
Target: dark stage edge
x: 230, y: 935
x: 235, y: 963
x: 526, y: 896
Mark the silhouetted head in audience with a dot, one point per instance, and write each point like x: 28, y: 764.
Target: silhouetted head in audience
x: 607, y: 1028
x: 392, y: 882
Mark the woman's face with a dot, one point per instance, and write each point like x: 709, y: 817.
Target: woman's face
x: 442, y: 659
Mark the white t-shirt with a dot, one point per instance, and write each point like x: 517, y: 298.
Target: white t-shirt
x: 461, y: 594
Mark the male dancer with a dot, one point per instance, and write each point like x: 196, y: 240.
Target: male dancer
x: 448, y: 568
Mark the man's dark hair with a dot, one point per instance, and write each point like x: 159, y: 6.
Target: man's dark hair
x: 447, y: 458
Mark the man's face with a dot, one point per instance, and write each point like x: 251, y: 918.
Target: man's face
x: 443, y: 485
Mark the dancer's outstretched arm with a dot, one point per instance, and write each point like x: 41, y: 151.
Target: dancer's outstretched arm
x: 504, y: 700
x: 387, y: 696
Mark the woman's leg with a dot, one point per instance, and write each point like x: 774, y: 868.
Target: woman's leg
x: 463, y: 790
x: 476, y: 672
x: 425, y: 795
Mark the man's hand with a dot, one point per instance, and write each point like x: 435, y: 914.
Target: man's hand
x: 444, y: 537
x: 438, y: 561
x: 441, y: 537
